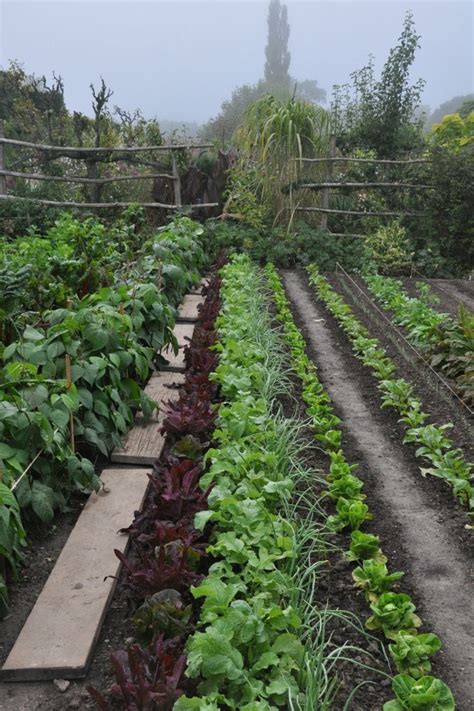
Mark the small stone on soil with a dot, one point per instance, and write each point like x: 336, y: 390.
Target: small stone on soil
x: 61, y: 684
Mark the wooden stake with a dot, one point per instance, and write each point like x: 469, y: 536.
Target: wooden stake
x: 177, y: 181
x: 325, y: 192
x: 67, y: 359
x: 3, y: 183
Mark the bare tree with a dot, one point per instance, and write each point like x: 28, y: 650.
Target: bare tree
x: 128, y: 121
x: 101, y: 98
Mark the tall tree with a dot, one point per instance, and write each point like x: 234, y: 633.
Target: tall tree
x: 277, y: 56
x: 381, y: 115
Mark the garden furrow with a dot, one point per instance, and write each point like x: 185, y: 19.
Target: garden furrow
x: 437, y: 564
x: 445, y: 343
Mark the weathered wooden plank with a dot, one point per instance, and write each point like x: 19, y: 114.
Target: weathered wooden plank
x: 59, y: 635
x: 183, y: 333
x: 144, y: 443
x: 188, y: 311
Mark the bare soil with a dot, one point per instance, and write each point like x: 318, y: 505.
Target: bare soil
x: 420, y: 525
x: 451, y: 293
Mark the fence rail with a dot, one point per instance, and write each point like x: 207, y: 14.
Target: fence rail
x: 87, y: 151
x: 348, y: 159
x: 99, y: 205
x: 328, y: 184
x: 92, y: 156
x: 82, y: 179
x: 360, y: 213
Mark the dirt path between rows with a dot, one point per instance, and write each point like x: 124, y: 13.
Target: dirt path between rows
x: 446, y: 303
x: 461, y: 291
x: 413, y: 529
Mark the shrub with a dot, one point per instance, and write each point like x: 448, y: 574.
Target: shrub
x: 389, y: 249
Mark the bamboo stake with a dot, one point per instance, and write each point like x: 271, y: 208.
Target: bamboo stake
x: 3, y: 185
x: 67, y: 359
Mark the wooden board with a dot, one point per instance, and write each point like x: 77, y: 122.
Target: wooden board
x: 183, y: 333
x: 188, y: 311
x: 144, y: 443
x: 58, y: 637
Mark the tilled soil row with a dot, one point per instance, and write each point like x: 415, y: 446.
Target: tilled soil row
x: 420, y: 526
x: 451, y: 293
x: 438, y: 400
x: 335, y: 591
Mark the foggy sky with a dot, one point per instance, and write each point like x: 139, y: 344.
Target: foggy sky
x: 180, y: 59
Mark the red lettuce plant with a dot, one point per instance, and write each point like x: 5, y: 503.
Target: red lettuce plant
x: 189, y: 415
x: 169, y: 567
x: 146, y: 680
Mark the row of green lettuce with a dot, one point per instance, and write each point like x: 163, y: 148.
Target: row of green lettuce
x: 392, y: 613
x: 82, y: 369
x: 448, y: 343
x: 247, y: 648
x: 260, y: 642
x: 432, y: 443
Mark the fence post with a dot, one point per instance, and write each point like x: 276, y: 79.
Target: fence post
x: 3, y: 181
x: 326, y: 191
x: 93, y: 173
x: 176, y: 181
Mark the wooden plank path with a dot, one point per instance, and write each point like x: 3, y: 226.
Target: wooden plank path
x: 144, y: 443
x: 188, y: 311
x: 58, y: 638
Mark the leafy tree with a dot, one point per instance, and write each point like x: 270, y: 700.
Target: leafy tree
x: 444, y: 239
x: 277, y: 56
x: 454, y: 132
x: 380, y: 114
x: 308, y: 90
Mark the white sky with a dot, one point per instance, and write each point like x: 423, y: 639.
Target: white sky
x: 180, y: 59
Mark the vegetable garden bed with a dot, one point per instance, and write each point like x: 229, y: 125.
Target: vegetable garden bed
x: 241, y: 594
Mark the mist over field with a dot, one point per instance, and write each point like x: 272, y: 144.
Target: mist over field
x: 180, y: 60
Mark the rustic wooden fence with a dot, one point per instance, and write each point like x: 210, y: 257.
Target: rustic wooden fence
x: 93, y: 157
x: 328, y: 185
